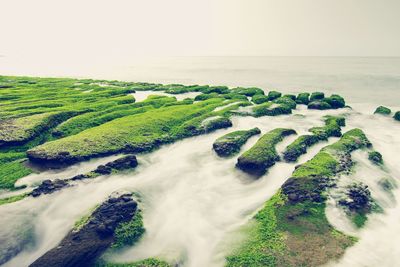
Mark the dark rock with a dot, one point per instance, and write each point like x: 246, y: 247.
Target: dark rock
x: 336, y: 101
x: 272, y: 95
x: 81, y: 248
x: 304, y: 189
x: 124, y: 163
x: 103, y: 170
x: 358, y: 198
x: 397, y: 116
x: 375, y: 157
x: 48, y: 187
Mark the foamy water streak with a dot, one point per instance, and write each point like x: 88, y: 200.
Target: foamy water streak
x: 192, y: 200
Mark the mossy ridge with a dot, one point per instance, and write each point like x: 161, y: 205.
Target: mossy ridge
x: 263, y: 154
x: 128, y: 233
x: 12, y: 199
x: 292, y: 228
x: 135, y: 133
x: 299, y: 147
x: 231, y: 143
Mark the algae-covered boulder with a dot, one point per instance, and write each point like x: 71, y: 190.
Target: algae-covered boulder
x: 299, y: 147
x: 274, y: 95
x: 318, y: 104
x: 231, y: 143
x: 397, y: 116
x: 293, y: 97
x: 83, y: 246
x: 336, y: 101
x: 317, y: 96
x: 286, y: 101
x: 271, y: 109
x: 251, y: 91
x: 303, y: 98
x: 383, y: 110
x: 259, y: 99
x: 263, y: 154
x: 375, y: 157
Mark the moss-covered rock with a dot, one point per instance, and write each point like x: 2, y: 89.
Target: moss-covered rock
x: 151, y: 262
x: 259, y: 99
x: 294, y: 218
x: 263, y: 154
x: 383, y: 110
x: 231, y: 143
x: 272, y: 95
x: 318, y: 104
x: 317, y: 96
x: 293, y: 97
x: 303, y: 98
x: 84, y: 246
x: 375, y: 157
x: 250, y: 91
x: 285, y: 101
x: 335, y: 101
x: 397, y: 116
x: 300, y: 145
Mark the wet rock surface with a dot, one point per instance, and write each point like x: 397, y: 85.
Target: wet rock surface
x: 358, y: 198
x: 81, y: 248
x: 299, y: 189
x: 48, y: 187
x: 231, y: 143
x: 121, y: 164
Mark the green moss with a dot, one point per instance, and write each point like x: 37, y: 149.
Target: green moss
x: 231, y: 143
x: 259, y: 99
x: 303, y: 98
x: 317, y: 96
x: 318, y: 104
x: 134, y: 133
x: 12, y: 199
x: 302, y: 143
x: 375, y: 157
x: 382, y: 110
x: 285, y: 101
x: 335, y: 101
x: 272, y: 95
x: 128, y: 233
x: 251, y: 91
x: 287, y: 224
x: 10, y: 172
x: 359, y: 219
x: 263, y: 154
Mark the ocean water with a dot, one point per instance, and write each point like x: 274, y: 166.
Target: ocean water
x: 194, y: 202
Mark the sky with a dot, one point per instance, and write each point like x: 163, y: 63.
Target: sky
x: 120, y: 29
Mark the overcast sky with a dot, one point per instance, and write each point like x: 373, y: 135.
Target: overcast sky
x: 123, y: 29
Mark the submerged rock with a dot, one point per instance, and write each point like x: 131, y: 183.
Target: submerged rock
x: 382, y: 110
x: 231, y: 143
x: 81, y: 248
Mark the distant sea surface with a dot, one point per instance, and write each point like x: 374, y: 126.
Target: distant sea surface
x: 361, y: 80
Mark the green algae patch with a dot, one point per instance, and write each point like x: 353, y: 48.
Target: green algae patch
x: 292, y: 229
x: 136, y: 133
x: 299, y: 147
x: 12, y: 199
x: 10, y: 172
x: 231, y: 143
x: 382, y: 110
x: 128, y: 233
x: 263, y: 154
x: 272, y: 95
